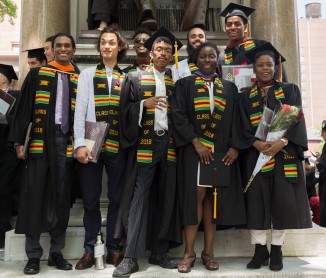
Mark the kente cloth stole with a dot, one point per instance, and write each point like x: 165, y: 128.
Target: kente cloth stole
x: 107, y: 105
x: 133, y: 68
x: 206, y: 123
x: 192, y: 68
x: 146, y: 136
x: 47, y: 80
x: 290, y: 166
x: 255, y: 112
x: 228, y: 57
x: 255, y: 115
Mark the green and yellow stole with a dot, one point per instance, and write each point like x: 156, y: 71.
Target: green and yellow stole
x: 46, y: 82
x: 228, y: 57
x: 255, y: 114
x: 107, y: 105
x: 207, y: 123
x: 255, y: 111
x: 146, y: 136
x: 131, y: 68
x: 192, y: 68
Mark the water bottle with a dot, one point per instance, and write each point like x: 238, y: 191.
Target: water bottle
x: 99, y: 252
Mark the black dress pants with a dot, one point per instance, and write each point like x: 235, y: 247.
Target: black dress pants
x: 90, y: 176
x: 139, y: 208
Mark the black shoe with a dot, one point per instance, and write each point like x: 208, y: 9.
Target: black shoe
x: 57, y: 260
x: 276, y: 263
x: 163, y: 260
x: 149, y: 23
x: 32, y: 266
x: 126, y: 267
x: 260, y: 258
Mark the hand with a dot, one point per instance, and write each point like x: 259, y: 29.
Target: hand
x: 230, y: 156
x: 205, y: 155
x: 274, y: 148
x: 19, y: 152
x: 83, y: 155
x: 156, y: 102
x: 261, y: 145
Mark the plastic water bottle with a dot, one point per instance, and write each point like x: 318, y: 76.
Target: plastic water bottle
x: 99, y: 252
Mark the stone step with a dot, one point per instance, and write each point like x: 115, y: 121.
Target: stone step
x: 228, y: 243
x: 296, y: 267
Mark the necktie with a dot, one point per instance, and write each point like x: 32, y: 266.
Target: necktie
x: 65, y: 104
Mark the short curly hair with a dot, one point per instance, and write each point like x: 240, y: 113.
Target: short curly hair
x: 122, y: 42
x: 141, y: 30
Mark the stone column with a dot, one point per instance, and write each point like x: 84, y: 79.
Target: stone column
x: 276, y: 21
x: 39, y: 20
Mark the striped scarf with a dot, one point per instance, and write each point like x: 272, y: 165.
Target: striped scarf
x: 207, y: 123
x: 46, y: 82
x: 107, y: 104
x: 145, y: 140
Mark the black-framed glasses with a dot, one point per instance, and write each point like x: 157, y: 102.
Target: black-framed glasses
x: 139, y: 40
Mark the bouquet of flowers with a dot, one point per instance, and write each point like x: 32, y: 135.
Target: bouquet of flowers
x: 285, y: 118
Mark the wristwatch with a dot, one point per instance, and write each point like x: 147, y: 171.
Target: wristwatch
x: 285, y: 141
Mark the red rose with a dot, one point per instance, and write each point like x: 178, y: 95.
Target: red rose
x: 286, y: 108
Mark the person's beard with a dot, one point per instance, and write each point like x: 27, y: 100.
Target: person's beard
x: 191, y: 53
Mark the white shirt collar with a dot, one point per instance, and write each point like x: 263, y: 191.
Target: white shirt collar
x: 157, y: 72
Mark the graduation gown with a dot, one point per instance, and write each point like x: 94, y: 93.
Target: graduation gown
x: 322, y: 186
x: 230, y: 200
x: 239, y: 57
x: 162, y: 198
x: 9, y: 171
x: 272, y: 198
x: 37, y: 199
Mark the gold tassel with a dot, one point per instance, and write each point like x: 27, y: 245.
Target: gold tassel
x: 247, y: 30
x: 215, y: 204
x: 280, y: 69
x: 176, y: 54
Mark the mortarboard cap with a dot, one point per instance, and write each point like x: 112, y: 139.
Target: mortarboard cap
x: 35, y: 53
x: 8, y: 71
x: 197, y: 25
x: 237, y: 10
x: 163, y: 32
x: 265, y: 49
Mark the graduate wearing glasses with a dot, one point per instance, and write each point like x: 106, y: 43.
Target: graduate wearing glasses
x: 148, y: 200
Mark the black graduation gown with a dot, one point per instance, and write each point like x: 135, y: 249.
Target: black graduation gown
x: 9, y: 172
x: 37, y: 199
x: 271, y: 198
x: 322, y: 186
x: 230, y: 202
x: 161, y: 198
x: 240, y: 58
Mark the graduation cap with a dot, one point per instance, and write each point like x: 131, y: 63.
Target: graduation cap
x: 237, y: 10
x: 8, y: 71
x: 197, y: 25
x: 265, y: 49
x: 36, y: 53
x: 165, y: 33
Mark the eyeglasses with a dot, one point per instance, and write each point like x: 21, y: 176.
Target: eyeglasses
x: 164, y: 50
x: 139, y: 40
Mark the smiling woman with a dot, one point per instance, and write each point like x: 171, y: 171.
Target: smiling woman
x: 277, y: 197
x: 203, y: 107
